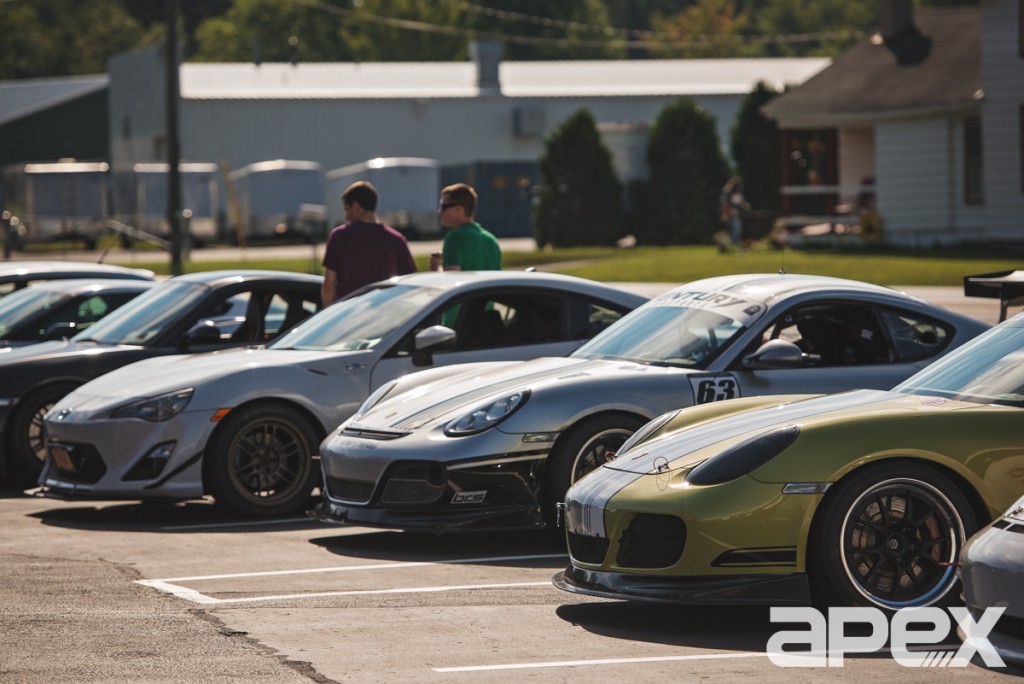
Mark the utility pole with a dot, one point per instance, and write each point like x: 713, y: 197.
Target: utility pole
x: 174, y: 218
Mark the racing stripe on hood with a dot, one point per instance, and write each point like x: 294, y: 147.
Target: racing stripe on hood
x: 461, y: 402
x: 587, y: 499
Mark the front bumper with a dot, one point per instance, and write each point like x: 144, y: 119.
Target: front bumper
x: 109, y: 458
x: 992, y: 573
x: 494, y: 493
x: 776, y: 590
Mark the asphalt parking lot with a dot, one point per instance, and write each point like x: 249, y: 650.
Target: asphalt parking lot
x: 108, y: 591
x: 159, y: 593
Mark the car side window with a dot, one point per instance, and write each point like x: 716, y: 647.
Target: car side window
x: 913, y: 336
x: 588, y: 317
x: 840, y: 333
x: 491, y: 320
x: 84, y: 313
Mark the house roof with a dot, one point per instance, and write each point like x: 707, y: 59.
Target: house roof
x: 19, y: 99
x: 934, y: 69
x: 518, y: 79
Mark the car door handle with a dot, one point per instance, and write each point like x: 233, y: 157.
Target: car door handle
x: 355, y: 366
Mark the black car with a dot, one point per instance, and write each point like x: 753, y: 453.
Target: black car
x: 54, y: 309
x: 190, y: 313
x: 14, y: 275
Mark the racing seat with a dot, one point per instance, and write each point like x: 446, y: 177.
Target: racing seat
x: 824, y: 337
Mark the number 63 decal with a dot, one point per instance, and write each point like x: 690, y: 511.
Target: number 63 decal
x: 709, y: 388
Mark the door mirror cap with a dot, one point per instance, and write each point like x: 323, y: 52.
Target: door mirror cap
x: 779, y: 354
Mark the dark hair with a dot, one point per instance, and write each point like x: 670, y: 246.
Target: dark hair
x: 361, y: 193
x: 463, y: 195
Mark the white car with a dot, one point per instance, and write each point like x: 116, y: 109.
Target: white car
x: 245, y: 425
x: 497, y: 445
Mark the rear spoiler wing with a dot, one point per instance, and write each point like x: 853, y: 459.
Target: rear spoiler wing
x: 1006, y: 286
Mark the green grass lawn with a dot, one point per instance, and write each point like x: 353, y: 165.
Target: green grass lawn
x: 684, y: 263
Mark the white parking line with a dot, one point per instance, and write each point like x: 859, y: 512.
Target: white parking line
x: 602, y: 661
x: 172, y: 585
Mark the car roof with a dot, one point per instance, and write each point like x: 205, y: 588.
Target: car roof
x: 217, y: 278
x: 770, y: 288
x: 15, y: 271
x: 74, y: 286
x: 447, y: 280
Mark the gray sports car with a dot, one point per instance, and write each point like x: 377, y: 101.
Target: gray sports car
x: 497, y: 445
x: 245, y: 426
x: 992, y: 572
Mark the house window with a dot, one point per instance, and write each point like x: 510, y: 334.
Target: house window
x: 973, y: 191
x: 809, y: 171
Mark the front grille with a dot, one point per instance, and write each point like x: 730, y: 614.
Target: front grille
x: 652, y: 541
x: 88, y: 465
x: 587, y: 549
x: 415, y: 483
x: 379, y: 435
x: 349, y: 490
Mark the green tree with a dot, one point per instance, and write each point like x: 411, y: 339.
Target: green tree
x: 679, y: 204
x: 754, y: 145
x: 580, y: 199
x: 64, y: 37
x: 709, y: 28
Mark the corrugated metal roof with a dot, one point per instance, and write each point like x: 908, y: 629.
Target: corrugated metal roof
x: 398, y: 80
x: 19, y: 99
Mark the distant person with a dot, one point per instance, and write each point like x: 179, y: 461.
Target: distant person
x: 362, y: 250
x: 467, y: 246
x: 733, y: 206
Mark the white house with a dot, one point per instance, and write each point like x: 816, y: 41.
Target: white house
x: 927, y: 116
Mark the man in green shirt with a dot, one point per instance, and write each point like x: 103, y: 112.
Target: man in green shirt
x: 467, y: 246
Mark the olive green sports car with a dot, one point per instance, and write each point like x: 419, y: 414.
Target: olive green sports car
x: 865, y: 497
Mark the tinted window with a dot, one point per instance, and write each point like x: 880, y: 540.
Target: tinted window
x: 915, y: 337
x: 840, y: 333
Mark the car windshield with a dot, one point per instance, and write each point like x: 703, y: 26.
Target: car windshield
x: 672, y: 331
x: 359, y: 322
x: 24, y: 305
x: 146, y: 316
x: 987, y: 370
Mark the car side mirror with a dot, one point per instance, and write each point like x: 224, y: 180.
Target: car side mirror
x: 60, y: 331
x: 778, y: 354
x: 203, y: 333
x: 429, y: 340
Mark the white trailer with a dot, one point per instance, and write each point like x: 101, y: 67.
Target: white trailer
x: 65, y: 200
x: 270, y: 196
x: 408, y: 188
x: 198, y: 197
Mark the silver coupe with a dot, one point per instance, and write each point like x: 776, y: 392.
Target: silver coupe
x: 497, y: 445
x: 245, y: 426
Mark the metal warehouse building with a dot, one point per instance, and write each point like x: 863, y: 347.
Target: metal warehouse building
x: 459, y: 113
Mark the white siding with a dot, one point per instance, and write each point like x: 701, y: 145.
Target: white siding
x: 920, y: 182
x: 1003, y: 83
x: 337, y: 133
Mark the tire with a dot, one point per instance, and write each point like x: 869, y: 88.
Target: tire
x: 583, y: 448
x: 26, y: 441
x: 260, y: 462
x: 888, y: 536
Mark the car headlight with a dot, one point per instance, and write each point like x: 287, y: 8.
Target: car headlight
x: 646, y: 431
x: 156, y: 409
x: 486, y: 416
x: 744, y: 457
x: 376, y: 396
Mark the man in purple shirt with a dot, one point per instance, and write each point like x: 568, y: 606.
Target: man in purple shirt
x: 362, y: 250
